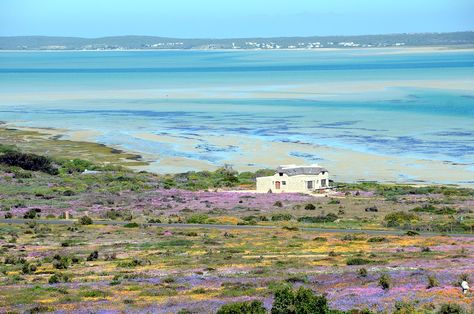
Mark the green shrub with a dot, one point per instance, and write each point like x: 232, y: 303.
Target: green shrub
x: 432, y: 282
x: 404, y: 307
x: 197, y: 219
x: 134, y: 263
x: 451, y: 308
x: 284, y: 301
x: 131, y: 225
x: 400, y: 218
x: 302, y: 301
x: 309, y: 207
x: 385, y: 281
x: 412, y: 233
x: 154, y: 221
x: 76, y: 165
x: 278, y: 204
x: 32, y: 213
x: 93, y: 256
x: 377, y: 239
x: 28, y: 162
x: 320, y: 239
x: 281, y: 217
x: 61, y: 262
x: 358, y: 261
x: 362, y: 272
x: 85, y: 220
x: 58, y: 277
x: 28, y: 268
x: 434, y: 210
x: 307, y: 302
x: 252, y: 307
x: 318, y: 219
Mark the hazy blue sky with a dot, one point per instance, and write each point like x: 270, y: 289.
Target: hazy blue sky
x: 232, y: 18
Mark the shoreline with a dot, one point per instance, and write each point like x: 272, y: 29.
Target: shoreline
x: 346, y: 165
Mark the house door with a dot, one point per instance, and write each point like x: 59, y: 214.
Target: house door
x: 277, y: 185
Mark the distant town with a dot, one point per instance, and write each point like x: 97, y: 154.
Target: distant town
x: 314, y: 42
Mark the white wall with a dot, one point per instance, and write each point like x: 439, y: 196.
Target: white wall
x: 296, y: 183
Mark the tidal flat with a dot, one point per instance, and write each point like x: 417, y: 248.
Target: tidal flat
x: 391, y: 115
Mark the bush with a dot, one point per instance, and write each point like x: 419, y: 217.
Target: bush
x: 307, y: 302
x: 432, y: 282
x: 412, y: 233
x: 372, y: 209
x: 76, y: 165
x: 433, y: 210
x: 93, y: 256
x: 134, y: 263
x: 377, y: 239
x: 310, y: 207
x: 451, y: 308
x: 61, y: 262
x: 278, y: 204
x: 31, y: 213
x: 58, y: 277
x: 131, y: 225
x: 28, y: 268
x: 8, y: 216
x: 253, y: 307
x: 197, y: 219
x: 362, y: 272
x: 281, y: 217
x: 319, y: 219
x: 154, y: 221
x: 400, y: 218
x: 385, y: 281
x: 85, y: 220
x: 284, y: 300
x: 303, y: 301
x: 320, y: 239
x: 28, y: 162
x: 358, y: 261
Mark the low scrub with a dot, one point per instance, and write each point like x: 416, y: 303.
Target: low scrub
x: 28, y: 161
x: 319, y: 219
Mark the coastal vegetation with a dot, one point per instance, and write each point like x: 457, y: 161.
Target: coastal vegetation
x: 194, y: 243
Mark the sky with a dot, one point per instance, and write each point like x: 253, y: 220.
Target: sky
x: 232, y: 18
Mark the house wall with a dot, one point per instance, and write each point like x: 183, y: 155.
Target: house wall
x: 293, y: 184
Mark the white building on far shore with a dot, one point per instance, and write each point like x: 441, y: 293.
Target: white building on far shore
x: 294, y: 179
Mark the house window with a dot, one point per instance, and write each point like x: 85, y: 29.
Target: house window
x: 283, y: 182
x: 281, y: 174
x: 309, y: 185
x: 323, y: 182
x: 277, y: 185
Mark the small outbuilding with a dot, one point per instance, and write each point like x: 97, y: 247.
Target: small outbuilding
x: 294, y: 179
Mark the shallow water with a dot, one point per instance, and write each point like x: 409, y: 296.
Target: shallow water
x: 407, y: 105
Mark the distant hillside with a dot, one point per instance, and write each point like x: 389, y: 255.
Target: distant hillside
x: 152, y: 42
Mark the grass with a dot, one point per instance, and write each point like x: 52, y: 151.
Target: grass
x: 150, y: 265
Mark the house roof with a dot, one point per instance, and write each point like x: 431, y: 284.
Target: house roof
x: 299, y: 170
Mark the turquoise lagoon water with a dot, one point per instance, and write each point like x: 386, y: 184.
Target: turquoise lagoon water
x: 423, y: 108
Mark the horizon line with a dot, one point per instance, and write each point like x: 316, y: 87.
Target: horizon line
x: 244, y: 37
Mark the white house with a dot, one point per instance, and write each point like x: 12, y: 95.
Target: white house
x: 293, y: 178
